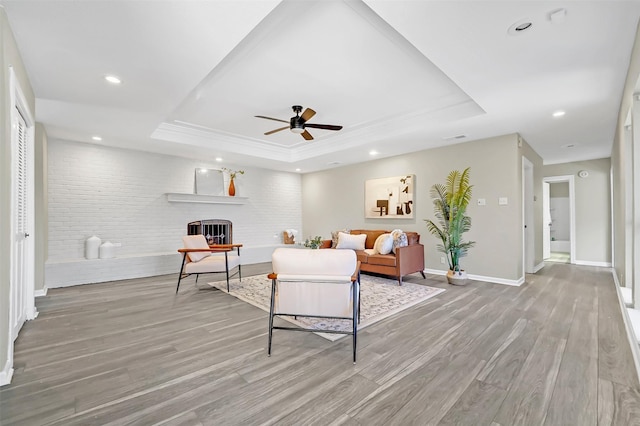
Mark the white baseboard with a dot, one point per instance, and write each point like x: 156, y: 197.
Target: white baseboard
x: 538, y: 267
x: 494, y: 280
x: 6, y: 374
x: 590, y: 263
x: 41, y: 292
x: 627, y: 296
x: 631, y: 335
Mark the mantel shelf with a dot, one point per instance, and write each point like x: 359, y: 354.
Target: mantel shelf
x: 173, y: 197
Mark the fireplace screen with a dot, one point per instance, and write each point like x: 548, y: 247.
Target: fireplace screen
x: 217, y: 231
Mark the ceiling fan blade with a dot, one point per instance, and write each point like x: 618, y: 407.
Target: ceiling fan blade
x: 307, y: 135
x: 307, y: 114
x: 276, y: 130
x: 323, y: 126
x: 270, y: 118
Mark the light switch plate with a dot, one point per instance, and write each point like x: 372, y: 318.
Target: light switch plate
x: 482, y: 202
x: 503, y: 201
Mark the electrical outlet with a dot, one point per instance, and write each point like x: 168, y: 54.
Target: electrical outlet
x: 442, y: 260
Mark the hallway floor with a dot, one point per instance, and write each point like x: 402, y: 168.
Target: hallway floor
x: 559, y: 257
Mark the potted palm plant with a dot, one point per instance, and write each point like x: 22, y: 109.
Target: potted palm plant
x: 450, y: 201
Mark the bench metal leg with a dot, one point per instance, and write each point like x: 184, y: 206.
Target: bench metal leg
x: 184, y: 258
x: 271, y: 308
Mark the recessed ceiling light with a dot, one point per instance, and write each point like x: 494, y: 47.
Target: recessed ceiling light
x: 558, y: 114
x: 218, y: 159
x: 298, y: 170
x: 520, y: 27
x: 96, y: 138
x: 113, y: 79
x: 373, y: 152
x: 456, y: 137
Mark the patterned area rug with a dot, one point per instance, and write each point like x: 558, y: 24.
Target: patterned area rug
x: 380, y: 298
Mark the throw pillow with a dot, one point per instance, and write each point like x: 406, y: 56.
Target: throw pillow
x: 399, y: 239
x: 383, y: 244
x: 334, y: 237
x: 353, y: 242
x: 198, y: 242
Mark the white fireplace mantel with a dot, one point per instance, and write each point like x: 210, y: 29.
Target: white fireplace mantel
x: 173, y: 197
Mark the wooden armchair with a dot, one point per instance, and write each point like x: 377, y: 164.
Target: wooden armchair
x: 202, y: 258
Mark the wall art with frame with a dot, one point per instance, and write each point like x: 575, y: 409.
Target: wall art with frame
x: 389, y: 198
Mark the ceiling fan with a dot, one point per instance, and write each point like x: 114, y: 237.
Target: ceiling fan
x: 299, y: 123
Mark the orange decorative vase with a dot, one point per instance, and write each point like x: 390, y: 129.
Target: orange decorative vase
x: 232, y: 189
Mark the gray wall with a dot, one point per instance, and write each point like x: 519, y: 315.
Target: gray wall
x: 9, y: 57
x: 334, y: 199
x: 618, y: 157
x: 536, y: 160
x: 592, y: 208
x: 559, y: 204
x: 559, y: 189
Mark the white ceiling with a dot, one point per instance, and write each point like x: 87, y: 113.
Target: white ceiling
x: 400, y: 76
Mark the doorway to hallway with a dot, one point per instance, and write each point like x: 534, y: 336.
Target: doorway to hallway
x: 559, y: 219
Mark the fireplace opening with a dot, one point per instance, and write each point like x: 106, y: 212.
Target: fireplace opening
x: 216, y: 231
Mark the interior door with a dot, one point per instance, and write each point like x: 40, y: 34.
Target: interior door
x: 546, y: 222
x: 529, y: 224
x: 20, y: 275
x: 20, y: 225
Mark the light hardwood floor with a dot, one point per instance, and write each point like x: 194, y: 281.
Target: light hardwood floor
x: 551, y: 352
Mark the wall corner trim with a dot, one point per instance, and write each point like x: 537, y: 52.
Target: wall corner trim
x: 6, y: 374
x: 538, y: 267
x: 42, y: 292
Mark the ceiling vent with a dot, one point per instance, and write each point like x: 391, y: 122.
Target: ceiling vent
x: 558, y: 16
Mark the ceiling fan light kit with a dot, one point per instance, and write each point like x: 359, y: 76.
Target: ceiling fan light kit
x: 298, y: 124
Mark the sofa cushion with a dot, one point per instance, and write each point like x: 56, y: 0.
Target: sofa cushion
x: 372, y: 235
x: 363, y: 256
x: 383, y: 244
x: 213, y: 263
x: 413, y: 238
x: 382, y: 259
x: 353, y: 242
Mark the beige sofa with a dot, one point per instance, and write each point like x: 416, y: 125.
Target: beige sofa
x: 405, y: 261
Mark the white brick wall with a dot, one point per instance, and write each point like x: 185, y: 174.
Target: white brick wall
x: 119, y: 195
